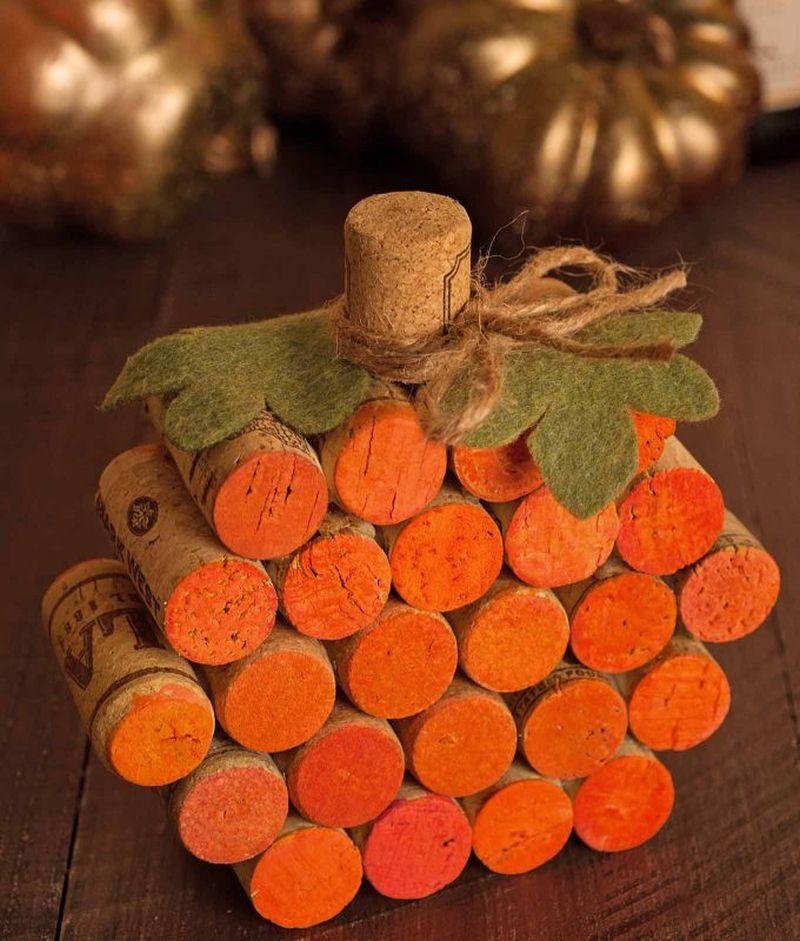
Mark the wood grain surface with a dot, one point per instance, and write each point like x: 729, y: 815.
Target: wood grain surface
x: 84, y: 856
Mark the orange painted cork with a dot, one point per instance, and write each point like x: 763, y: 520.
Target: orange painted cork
x: 262, y: 491
x: 417, y: 846
x: 348, y: 772
x: 497, y: 475
x: 571, y: 723
x: 399, y: 665
x: 448, y: 555
x: 619, y: 618
x: 546, y: 546
x: 671, y: 516
x: 141, y: 705
x: 307, y: 876
x: 212, y: 606
x: 680, y: 699
x: 337, y: 583
x: 625, y: 803
x: 278, y: 696
x: 732, y: 589
x: 379, y: 463
x: 231, y: 807
x: 512, y: 637
x: 461, y: 744
x: 652, y: 432
x: 519, y: 823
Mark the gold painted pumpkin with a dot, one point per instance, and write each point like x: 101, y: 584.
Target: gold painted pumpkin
x: 115, y: 113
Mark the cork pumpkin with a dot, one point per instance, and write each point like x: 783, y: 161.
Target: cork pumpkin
x: 114, y: 114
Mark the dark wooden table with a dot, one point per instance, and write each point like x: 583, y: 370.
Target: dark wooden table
x: 83, y: 856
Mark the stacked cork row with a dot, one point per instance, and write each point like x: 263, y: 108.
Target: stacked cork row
x: 371, y: 655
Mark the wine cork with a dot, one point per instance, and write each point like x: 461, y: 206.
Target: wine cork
x: 679, y: 699
x: 231, y: 807
x: 461, y: 744
x: 278, y: 696
x: 348, y: 772
x: 619, y: 618
x: 262, y: 491
x: 399, y: 665
x: 625, y: 803
x: 652, y: 432
x: 213, y: 607
x: 379, y: 463
x: 512, y: 637
x: 569, y: 724
x: 141, y: 705
x: 546, y: 546
x: 671, y: 516
x: 407, y: 263
x: 417, y: 846
x: 448, y: 555
x: 337, y: 583
x: 497, y: 475
x: 519, y: 823
x: 307, y: 876
x: 732, y: 589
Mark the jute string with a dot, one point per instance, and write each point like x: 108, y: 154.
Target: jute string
x: 499, y: 319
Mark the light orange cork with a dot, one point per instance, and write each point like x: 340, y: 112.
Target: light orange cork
x: 461, y: 744
x: 619, y: 618
x: 379, y: 463
x: 448, y: 555
x: 348, y: 772
x: 546, y: 546
x: 679, y: 699
x: 262, y: 490
x: 519, y: 823
x: 398, y: 665
x: 231, y: 807
x: 278, y: 696
x: 732, y: 589
x: 671, y: 516
x: 337, y: 583
x: 512, y: 637
x: 141, y: 705
x: 497, y: 475
x: 307, y: 876
x: 213, y: 607
x: 625, y: 803
x: 571, y: 723
x: 652, y: 432
x: 417, y: 846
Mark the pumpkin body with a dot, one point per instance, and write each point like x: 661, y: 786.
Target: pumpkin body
x: 115, y: 113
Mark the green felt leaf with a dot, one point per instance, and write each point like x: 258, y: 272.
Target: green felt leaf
x: 644, y: 328
x: 221, y: 377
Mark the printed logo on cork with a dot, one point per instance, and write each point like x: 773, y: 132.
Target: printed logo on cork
x: 142, y: 515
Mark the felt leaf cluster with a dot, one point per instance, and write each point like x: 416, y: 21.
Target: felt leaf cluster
x: 578, y: 407
x: 217, y: 379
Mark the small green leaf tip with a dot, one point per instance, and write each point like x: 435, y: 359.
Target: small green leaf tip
x: 219, y: 378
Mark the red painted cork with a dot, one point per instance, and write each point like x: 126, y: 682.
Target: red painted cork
x: 399, y: 665
x: 279, y: 696
x: 571, y: 723
x: 619, y: 618
x: 417, y: 846
x: 652, y: 432
x: 732, y: 589
x: 497, y: 475
x: 512, y: 637
x: 461, y: 744
x: 448, y: 555
x: 337, y: 583
x: 519, y: 823
x: 307, y: 876
x: 671, y: 516
x: 625, y: 803
x: 348, y: 772
x: 231, y: 807
x: 546, y: 546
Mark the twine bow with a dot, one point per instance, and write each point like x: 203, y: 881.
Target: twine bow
x: 500, y: 319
